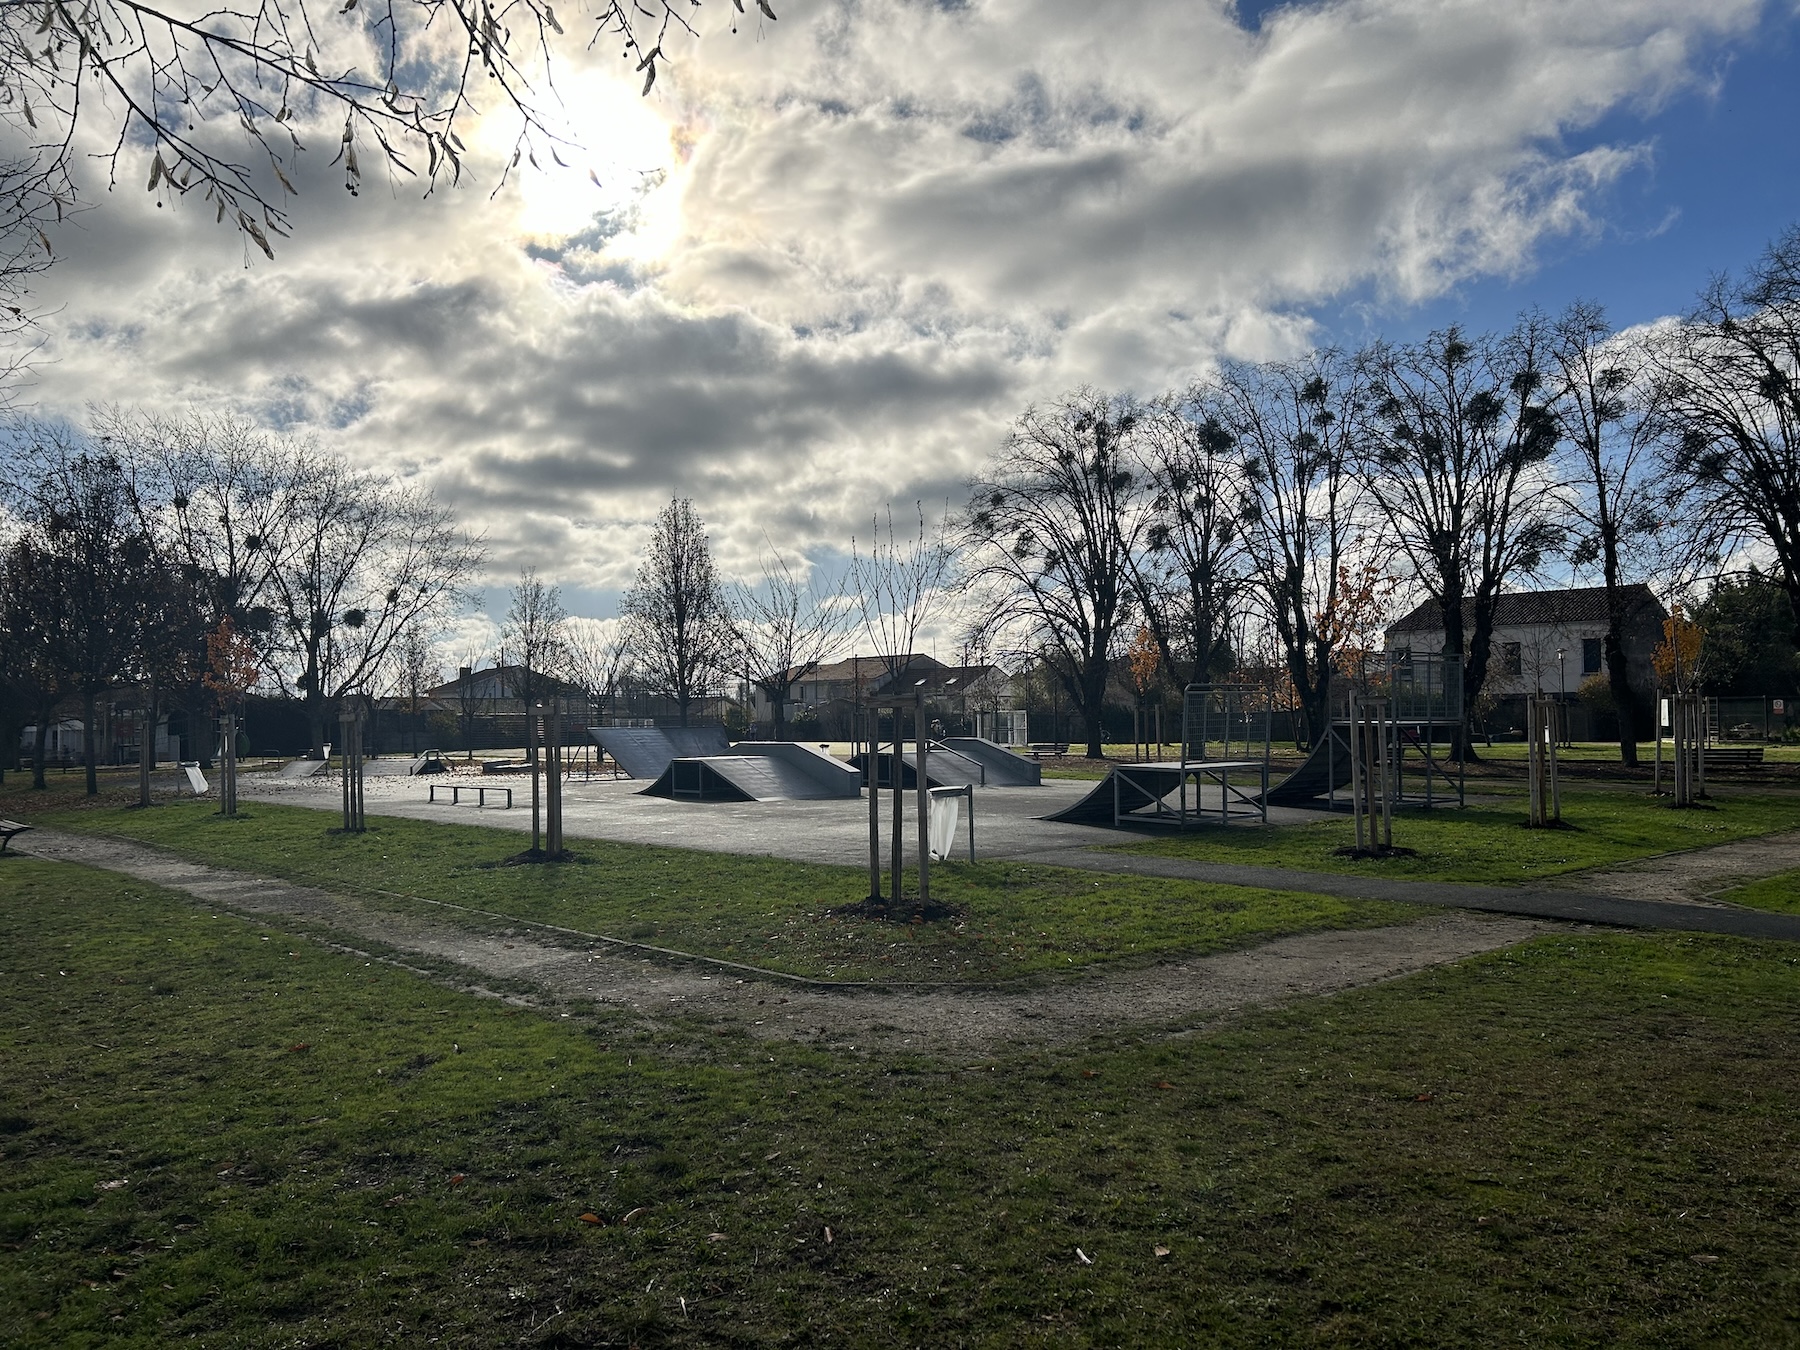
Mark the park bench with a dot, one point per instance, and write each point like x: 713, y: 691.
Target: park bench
x: 1041, y: 748
x: 8, y: 828
x: 1733, y: 757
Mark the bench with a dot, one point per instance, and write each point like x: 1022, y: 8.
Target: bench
x: 1733, y: 757
x: 1041, y: 748
x: 8, y: 828
x: 456, y: 791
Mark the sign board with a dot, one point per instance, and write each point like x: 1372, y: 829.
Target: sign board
x: 196, y: 779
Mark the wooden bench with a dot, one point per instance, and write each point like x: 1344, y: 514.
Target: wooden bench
x: 8, y: 828
x: 1040, y: 749
x: 1732, y: 757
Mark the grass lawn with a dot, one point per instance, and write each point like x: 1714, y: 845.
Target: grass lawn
x: 1780, y: 892
x: 1490, y: 843
x: 216, y: 1133
x: 1022, y: 920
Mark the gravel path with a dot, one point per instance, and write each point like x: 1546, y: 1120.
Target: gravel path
x: 1695, y: 877
x: 563, y: 968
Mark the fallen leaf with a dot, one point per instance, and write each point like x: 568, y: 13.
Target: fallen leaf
x: 828, y: 1237
x: 1160, y: 1250
x: 594, y: 1219
x: 773, y: 1156
x: 715, y: 1237
x: 299, y: 1048
x: 1426, y: 1097
x: 1090, y: 1073
x: 458, y: 1179
x: 641, y: 1209
x: 112, y: 1185
x: 1705, y: 1258
x: 1165, y: 1086
x: 1083, y: 1257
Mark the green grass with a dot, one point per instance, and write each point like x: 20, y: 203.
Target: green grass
x: 1490, y: 843
x: 1780, y: 893
x: 1021, y: 920
x: 1588, y: 1140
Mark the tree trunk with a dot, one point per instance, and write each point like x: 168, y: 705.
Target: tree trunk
x: 1093, y: 698
x: 43, y: 740
x: 88, y: 743
x: 778, y: 717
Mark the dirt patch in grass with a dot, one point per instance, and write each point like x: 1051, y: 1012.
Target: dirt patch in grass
x: 557, y: 967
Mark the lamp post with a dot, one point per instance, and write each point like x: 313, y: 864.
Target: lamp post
x: 1562, y: 693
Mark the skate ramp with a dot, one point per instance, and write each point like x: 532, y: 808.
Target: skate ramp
x: 644, y: 752
x: 1326, y: 769
x: 758, y: 771
x: 1001, y: 766
x: 943, y: 768
x: 1127, y: 788
x: 300, y: 768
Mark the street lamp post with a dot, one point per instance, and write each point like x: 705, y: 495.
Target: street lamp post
x: 1562, y: 693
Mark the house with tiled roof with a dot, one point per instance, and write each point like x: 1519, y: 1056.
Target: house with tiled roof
x: 1545, y: 642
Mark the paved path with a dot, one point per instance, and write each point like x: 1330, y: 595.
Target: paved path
x: 561, y: 968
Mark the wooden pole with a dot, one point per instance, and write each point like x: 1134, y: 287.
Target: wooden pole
x: 923, y: 804
x: 872, y: 758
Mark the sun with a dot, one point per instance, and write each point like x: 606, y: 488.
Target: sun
x: 623, y: 155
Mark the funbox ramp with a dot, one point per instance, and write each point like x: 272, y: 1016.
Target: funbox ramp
x: 1002, y: 767
x: 943, y: 768
x: 644, y: 752
x: 758, y: 771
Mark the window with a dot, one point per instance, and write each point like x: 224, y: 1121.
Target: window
x: 1590, y: 656
x: 1512, y: 658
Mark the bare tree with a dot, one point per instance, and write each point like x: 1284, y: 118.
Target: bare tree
x: 1730, y: 376
x: 364, y: 560
x: 535, y: 625
x: 596, y: 658
x: 1459, y: 442
x: 1294, y: 428
x: 221, y: 102
x: 680, y: 626
x: 1052, y: 527
x: 899, y: 585
x: 786, y: 627
x: 1611, y: 421
x: 1189, y: 576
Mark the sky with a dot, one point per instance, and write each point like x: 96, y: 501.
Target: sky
x: 828, y: 260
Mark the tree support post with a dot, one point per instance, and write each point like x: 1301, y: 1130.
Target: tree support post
x: 923, y: 805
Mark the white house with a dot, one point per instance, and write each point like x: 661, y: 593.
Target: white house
x: 1546, y: 642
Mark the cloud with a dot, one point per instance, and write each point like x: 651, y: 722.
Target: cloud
x: 823, y: 270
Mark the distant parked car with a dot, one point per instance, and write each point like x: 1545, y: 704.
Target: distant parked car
x: 1745, y: 731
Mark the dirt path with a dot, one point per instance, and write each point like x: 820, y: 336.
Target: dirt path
x: 562, y: 969
x: 1697, y: 876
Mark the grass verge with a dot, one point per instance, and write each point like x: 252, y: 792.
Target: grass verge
x: 1780, y: 893
x: 1490, y: 843
x: 215, y: 1133
x: 1022, y: 920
